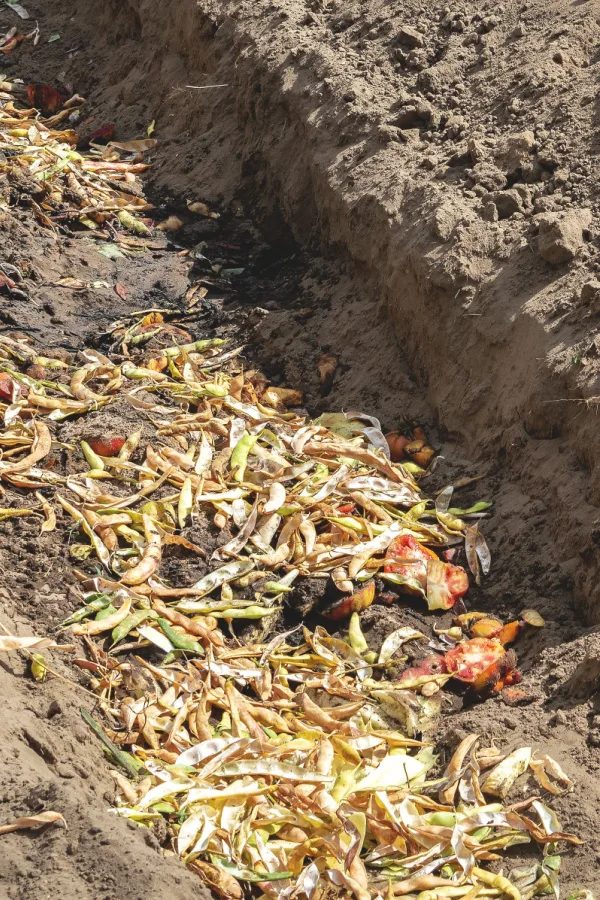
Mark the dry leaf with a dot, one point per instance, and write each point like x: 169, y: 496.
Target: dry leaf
x: 33, y: 822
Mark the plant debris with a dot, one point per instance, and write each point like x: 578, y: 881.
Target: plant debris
x: 291, y: 760
x: 34, y: 822
x: 45, y: 171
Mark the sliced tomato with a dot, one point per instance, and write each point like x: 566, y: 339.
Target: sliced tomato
x: 408, y: 558
x: 445, y: 584
x: 470, y: 659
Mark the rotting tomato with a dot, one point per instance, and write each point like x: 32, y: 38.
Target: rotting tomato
x: 430, y: 665
x: 424, y: 574
x: 9, y: 389
x: 396, y: 443
x: 45, y: 98
x: 356, y: 602
x: 445, y: 584
x: 408, y: 558
x: 471, y: 659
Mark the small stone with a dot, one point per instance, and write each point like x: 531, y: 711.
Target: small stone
x: 489, y: 23
x: 561, y: 236
x: 414, y: 114
x: 549, y: 157
x: 488, y: 175
x: 476, y: 150
x: 544, y: 204
x: 410, y: 135
x: 515, y: 151
x: 558, y: 57
x: 388, y: 133
x: 445, y: 220
x: 410, y: 36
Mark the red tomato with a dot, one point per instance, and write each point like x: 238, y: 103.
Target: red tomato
x: 106, y: 446
x: 470, y: 659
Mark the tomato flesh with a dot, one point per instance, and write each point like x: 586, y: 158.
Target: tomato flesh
x: 408, y: 558
x: 470, y: 659
x: 445, y: 584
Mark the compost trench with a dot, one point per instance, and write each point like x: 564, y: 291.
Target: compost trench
x: 357, y: 171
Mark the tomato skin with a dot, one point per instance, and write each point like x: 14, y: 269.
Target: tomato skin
x: 356, y: 602
x: 8, y: 388
x: 106, y: 446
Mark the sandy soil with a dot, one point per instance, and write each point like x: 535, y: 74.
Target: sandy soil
x: 373, y: 160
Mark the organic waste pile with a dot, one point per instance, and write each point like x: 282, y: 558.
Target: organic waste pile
x: 282, y: 762
x: 292, y: 761
x: 41, y: 167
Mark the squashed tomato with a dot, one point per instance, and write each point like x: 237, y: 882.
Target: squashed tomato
x: 408, y: 558
x: 445, y: 584
x: 424, y: 574
x: 470, y: 659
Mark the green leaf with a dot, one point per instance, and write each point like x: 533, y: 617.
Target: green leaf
x: 111, y: 251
